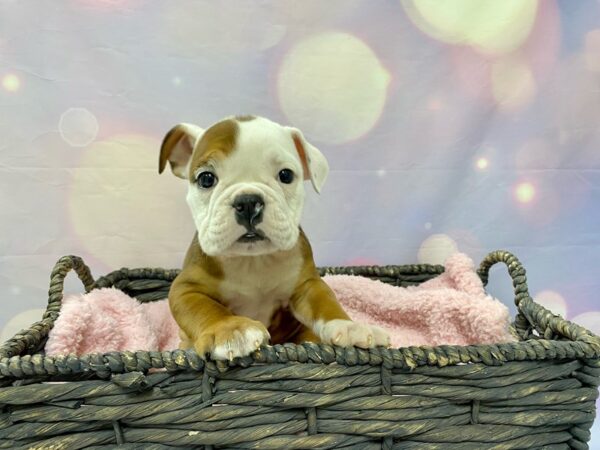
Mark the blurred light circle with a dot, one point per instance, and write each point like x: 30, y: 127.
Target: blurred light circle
x: 553, y: 301
x: 11, y: 82
x: 204, y: 28
x: 513, y: 84
x: 78, y: 127
x: 524, y: 192
x: 589, y: 320
x: 428, y: 225
x: 482, y: 163
x: 381, y: 173
x: 546, y: 207
x: 592, y: 50
x: 332, y: 86
x: 491, y: 26
x: 21, y: 321
x: 436, y: 249
x: 122, y: 211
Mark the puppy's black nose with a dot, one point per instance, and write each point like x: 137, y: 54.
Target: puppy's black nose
x: 248, y: 210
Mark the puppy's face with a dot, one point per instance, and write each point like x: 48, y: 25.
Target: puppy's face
x: 245, y: 182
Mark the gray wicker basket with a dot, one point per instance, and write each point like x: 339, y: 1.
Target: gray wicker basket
x: 537, y: 393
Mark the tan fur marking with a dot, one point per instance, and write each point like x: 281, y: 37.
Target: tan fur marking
x: 193, y: 294
x: 216, y: 143
x: 302, y: 154
x: 168, y: 144
x: 197, y: 303
x: 313, y: 299
x: 244, y: 118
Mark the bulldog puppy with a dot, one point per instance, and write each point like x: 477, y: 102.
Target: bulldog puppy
x: 249, y: 276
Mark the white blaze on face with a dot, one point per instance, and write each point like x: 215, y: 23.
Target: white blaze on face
x: 262, y: 149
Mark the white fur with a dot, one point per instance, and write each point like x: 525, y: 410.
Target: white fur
x: 243, y: 343
x: 346, y: 333
x: 263, y: 148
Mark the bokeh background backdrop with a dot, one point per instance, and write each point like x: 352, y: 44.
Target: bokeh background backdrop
x: 455, y: 124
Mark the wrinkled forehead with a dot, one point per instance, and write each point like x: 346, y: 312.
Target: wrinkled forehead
x: 253, y: 141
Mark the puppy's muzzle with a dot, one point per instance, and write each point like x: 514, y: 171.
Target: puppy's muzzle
x: 249, y: 213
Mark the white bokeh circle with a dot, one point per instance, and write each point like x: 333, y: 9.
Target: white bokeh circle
x: 123, y: 211
x: 11, y: 82
x: 436, y: 249
x: 222, y: 28
x: 78, y: 127
x: 490, y: 26
x: 589, y: 320
x: 553, y: 301
x: 332, y: 86
x: 592, y: 50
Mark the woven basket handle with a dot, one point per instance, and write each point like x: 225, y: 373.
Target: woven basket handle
x: 515, y: 270
x: 32, y: 339
x: 523, y: 324
x: 533, y: 316
x: 57, y: 282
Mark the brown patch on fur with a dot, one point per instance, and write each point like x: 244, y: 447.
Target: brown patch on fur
x: 169, y: 143
x: 205, y: 320
x: 197, y: 307
x: 313, y: 299
x: 216, y: 143
x: 302, y: 154
x: 245, y: 118
x: 193, y: 294
x: 284, y: 327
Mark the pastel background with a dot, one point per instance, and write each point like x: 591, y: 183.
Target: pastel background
x: 456, y: 124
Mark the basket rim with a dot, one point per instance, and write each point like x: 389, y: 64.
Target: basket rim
x: 575, y: 341
x: 408, y: 358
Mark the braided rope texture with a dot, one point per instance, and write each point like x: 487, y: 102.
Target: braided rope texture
x: 538, y: 393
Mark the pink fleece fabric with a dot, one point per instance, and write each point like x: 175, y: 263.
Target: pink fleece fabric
x: 451, y: 308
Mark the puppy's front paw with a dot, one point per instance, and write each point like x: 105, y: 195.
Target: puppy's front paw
x: 232, y: 337
x: 346, y: 333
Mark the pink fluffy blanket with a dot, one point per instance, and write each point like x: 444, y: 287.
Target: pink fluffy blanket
x: 451, y: 308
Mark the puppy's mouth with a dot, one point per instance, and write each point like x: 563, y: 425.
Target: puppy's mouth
x: 252, y: 236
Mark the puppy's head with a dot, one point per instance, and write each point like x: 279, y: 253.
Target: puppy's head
x: 245, y: 182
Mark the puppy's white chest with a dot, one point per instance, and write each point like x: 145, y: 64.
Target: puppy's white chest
x: 256, y: 287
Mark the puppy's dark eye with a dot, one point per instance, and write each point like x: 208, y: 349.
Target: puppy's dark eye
x: 206, y: 180
x: 286, y: 176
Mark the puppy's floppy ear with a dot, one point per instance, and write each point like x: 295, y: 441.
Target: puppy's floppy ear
x: 314, y: 164
x: 177, y: 148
